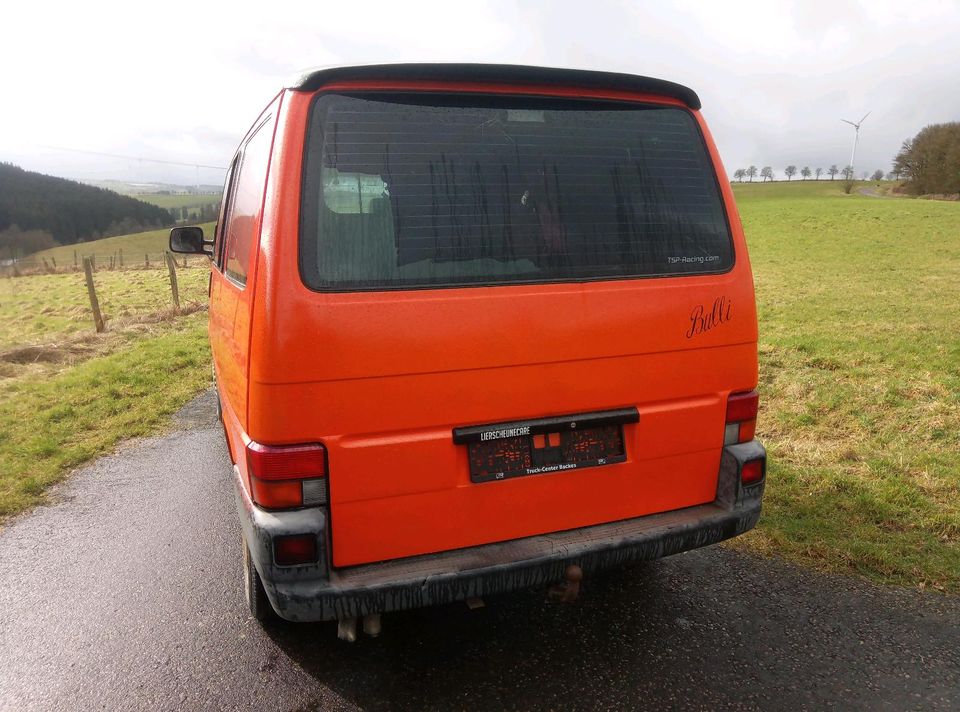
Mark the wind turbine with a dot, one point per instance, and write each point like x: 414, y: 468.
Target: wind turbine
x: 856, y: 139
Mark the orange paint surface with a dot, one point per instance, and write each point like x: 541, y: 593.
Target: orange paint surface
x: 382, y: 378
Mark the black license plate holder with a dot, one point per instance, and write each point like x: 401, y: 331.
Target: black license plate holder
x: 500, y: 451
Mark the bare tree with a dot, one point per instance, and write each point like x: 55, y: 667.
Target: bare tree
x: 805, y: 172
x: 17, y: 243
x: 790, y: 172
x: 878, y: 174
x: 818, y: 172
x: 751, y: 173
x: 739, y: 174
x: 833, y: 170
x: 766, y: 173
x: 903, y: 162
x: 848, y: 172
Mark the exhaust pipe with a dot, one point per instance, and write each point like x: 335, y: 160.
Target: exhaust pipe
x: 371, y: 624
x: 567, y: 590
x: 347, y: 629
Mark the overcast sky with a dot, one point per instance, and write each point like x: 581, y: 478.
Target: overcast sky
x: 182, y: 81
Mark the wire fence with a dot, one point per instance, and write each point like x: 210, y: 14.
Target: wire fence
x: 99, y: 261
x: 46, y: 316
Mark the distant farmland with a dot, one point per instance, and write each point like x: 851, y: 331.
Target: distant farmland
x: 202, y: 206
x: 165, y: 200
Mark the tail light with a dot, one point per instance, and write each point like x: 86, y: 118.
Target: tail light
x: 741, y: 417
x: 295, y: 549
x: 286, y: 476
x: 752, y: 472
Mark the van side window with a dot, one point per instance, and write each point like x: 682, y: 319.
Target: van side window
x: 246, y: 203
x: 221, y: 226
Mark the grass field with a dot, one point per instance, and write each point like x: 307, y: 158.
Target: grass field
x: 68, y: 393
x: 49, y: 308
x: 163, y: 200
x: 859, y: 377
x: 796, y: 189
x: 134, y: 247
x: 192, y: 203
x: 860, y: 380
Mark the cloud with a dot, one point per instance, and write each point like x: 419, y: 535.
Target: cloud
x: 186, y: 81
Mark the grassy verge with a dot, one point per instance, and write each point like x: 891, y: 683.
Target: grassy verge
x: 51, y: 424
x: 67, y: 393
x: 860, y: 381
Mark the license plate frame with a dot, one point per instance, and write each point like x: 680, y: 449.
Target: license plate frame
x: 505, y: 450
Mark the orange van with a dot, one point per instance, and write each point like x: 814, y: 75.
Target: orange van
x: 477, y: 328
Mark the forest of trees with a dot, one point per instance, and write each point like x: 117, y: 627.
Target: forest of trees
x: 69, y: 211
x: 930, y: 161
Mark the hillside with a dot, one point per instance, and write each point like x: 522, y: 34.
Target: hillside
x: 133, y: 247
x: 72, y: 212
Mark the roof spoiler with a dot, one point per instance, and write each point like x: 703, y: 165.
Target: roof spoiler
x: 312, y: 79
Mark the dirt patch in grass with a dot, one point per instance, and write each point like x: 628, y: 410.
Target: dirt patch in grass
x: 165, y: 314
x: 53, y: 353
x: 53, y: 357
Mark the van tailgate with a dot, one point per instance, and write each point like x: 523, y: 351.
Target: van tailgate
x: 385, y: 380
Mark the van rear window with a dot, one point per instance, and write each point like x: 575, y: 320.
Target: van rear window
x: 407, y: 191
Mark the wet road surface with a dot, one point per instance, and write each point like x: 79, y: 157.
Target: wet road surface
x: 125, y: 594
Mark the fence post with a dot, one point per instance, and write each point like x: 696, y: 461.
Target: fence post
x: 92, y: 293
x: 172, y: 267
x: 75, y: 262
x: 121, y: 257
x: 146, y: 260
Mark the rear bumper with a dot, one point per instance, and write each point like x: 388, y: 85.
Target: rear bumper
x: 315, y: 592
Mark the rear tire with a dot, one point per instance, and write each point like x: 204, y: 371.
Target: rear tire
x: 254, y: 591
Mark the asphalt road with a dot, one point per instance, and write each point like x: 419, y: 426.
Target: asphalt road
x: 125, y: 594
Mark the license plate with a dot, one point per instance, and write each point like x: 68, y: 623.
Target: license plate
x: 532, y: 447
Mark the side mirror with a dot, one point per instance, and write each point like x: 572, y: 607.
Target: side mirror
x: 189, y: 240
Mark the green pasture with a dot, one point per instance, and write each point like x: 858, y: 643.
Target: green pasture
x: 859, y: 378
x: 133, y: 248
x: 47, y: 309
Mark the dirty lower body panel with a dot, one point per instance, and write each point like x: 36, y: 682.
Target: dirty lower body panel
x: 316, y: 592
